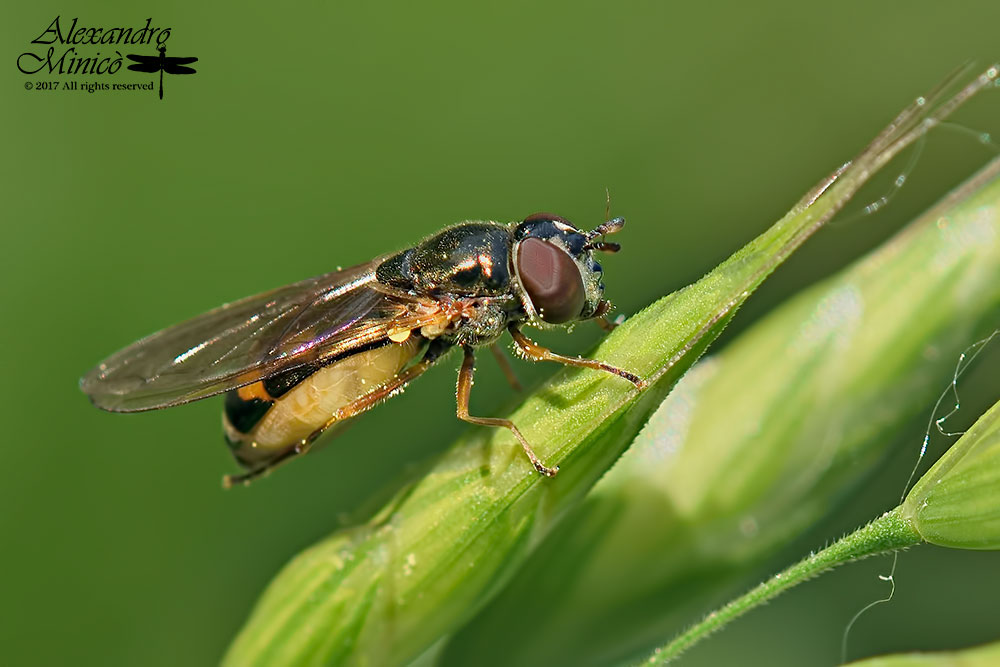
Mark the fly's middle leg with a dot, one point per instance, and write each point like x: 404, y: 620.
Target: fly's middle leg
x: 504, y: 363
x: 465, y: 377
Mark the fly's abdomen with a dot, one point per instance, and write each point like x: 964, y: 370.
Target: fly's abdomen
x: 260, y: 425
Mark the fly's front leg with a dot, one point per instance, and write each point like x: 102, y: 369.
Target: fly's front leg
x: 355, y: 407
x: 605, y: 324
x: 601, y: 316
x: 465, y: 376
x: 536, y: 352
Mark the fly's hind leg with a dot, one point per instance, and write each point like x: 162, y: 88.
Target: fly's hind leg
x: 355, y: 407
x: 290, y: 452
x: 465, y: 377
x: 535, y: 352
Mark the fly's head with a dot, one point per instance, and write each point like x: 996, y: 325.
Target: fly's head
x: 560, y: 280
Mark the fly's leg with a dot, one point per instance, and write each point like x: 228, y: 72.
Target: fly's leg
x: 228, y: 481
x: 605, y: 324
x: 355, y: 407
x: 536, y: 352
x: 504, y: 363
x: 465, y: 376
x: 601, y: 316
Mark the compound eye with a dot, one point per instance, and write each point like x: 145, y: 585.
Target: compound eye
x: 552, y: 280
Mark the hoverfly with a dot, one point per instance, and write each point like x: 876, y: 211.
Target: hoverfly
x: 295, y: 361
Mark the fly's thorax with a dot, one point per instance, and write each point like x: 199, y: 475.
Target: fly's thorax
x: 557, y: 278
x: 483, y: 321
x: 470, y: 259
x: 540, y: 271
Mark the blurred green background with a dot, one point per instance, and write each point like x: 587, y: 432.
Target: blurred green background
x: 323, y: 134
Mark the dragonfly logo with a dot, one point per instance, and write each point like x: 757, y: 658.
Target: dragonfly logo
x: 161, y: 64
x: 75, y: 48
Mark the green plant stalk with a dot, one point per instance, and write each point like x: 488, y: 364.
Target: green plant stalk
x: 987, y: 655
x: 381, y: 593
x: 957, y: 498
x: 722, y: 477
x: 889, y: 532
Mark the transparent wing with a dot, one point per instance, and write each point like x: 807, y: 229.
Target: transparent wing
x: 242, y: 342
